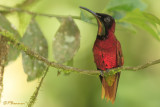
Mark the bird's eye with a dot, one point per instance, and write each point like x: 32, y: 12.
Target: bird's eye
x: 107, y: 19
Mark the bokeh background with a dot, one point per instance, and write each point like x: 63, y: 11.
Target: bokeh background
x: 136, y: 89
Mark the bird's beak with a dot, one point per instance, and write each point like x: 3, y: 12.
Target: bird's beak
x: 101, y: 27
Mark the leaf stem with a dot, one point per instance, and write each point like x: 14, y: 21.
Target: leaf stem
x: 12, y: 9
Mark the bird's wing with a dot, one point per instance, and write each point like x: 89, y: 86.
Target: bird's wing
x: 120, y: 59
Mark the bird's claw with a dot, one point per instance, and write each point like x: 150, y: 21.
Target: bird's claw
x: 102, y: 73
x: 107, y: 70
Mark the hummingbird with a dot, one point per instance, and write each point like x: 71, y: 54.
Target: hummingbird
x: 107, y: 53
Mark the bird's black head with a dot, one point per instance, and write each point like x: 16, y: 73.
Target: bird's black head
x: 106, y: 23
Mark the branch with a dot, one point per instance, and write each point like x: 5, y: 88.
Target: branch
x: 35, y: 94
x: 69, y: 69
x: 12, y: 9
x: 3, y: 61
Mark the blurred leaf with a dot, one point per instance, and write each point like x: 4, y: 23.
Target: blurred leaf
x: 139, y: 19
x: 66, y: 41
x: 125, y: 5
x: 24, y: 21
x: 27, y: 3
x: 119, y: 8
x: 5, y: 25
x: 118, y: 14
x: 86, y: 18
x: 127, y: 26
x: 152, y: 18
x: 34, y: 39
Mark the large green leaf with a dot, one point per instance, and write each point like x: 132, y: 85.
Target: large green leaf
x: 34, y: 39
x: 5, y: 25
x: 119, y: 8
x: 143, y: 20
x: 125, y: 5
x: 66, y: 41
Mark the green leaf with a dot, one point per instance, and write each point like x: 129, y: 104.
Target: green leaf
x: 143, y: 20
x: 119, y: 8
x: 86, y: 18
x: 127, y: 26
x: 5, y: 25
x: 152, y: 18
x: 125, y: 5
x: 24, y: 20
x: 66, y: 41
x: 118, y: 15
x: 34, y: 39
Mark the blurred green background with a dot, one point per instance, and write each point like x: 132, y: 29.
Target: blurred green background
x: 136, y: 89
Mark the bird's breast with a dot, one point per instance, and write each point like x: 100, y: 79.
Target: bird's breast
x: 105, y: 54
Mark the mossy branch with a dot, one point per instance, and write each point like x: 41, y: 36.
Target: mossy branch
x: 35, y: 94
x: 3, y: 61
x: 65, y: 68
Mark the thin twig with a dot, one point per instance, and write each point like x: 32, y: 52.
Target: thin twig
x: 35, y: 94
x: 64, y: 68
x: 3, y: 60
x: 12, y: 9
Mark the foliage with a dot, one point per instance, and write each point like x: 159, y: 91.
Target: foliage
x: 66, y: 42
x: 143, y: 20
x: 6, y: 25
x: 34, y: 39
x: 125, y: 5
x: 85, y: 17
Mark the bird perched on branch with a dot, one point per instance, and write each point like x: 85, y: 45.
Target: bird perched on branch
x: 107, y: 53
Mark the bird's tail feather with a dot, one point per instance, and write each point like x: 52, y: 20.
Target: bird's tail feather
x: 109, y: 87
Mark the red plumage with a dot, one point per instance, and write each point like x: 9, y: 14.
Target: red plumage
x: 107, y: 55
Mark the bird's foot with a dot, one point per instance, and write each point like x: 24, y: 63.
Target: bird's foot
x: 107, y: 70
x: 102, y: 73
